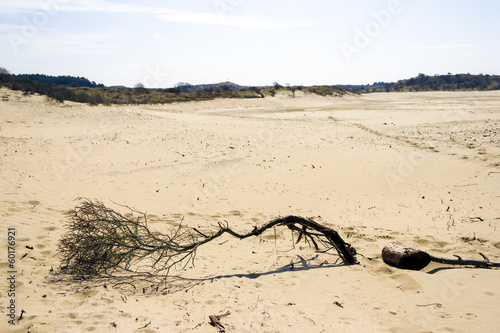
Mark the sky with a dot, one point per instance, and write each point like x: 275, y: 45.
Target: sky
x: 249, y: 42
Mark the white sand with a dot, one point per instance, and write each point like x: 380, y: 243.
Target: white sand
x: 414, y: 168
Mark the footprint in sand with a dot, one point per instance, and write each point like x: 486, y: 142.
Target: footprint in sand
x: 470, y: 316
x: 87, y: 294
x: 235, y: 213
x: 385, y: 237
x: 384, y: 270
x: 406, y: 282
x: 422, y: 241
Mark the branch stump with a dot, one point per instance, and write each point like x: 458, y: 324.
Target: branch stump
x: 405, y: 257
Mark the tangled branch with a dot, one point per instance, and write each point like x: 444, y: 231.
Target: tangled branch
x: 101, y: 240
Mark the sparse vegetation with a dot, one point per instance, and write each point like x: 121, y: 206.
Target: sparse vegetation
x: 81, y: 90
x: 326, y: 90
x: 85, y: 91
x: 257, y: 91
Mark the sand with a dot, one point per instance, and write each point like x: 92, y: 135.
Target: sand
x: 419, y: 169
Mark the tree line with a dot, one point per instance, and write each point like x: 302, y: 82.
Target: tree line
x: 62, y: 80
x: 56, y: 92
x: 422, y: 82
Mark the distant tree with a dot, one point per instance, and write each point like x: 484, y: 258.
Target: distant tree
x: 257, y: 91
x: 139, y: 86
x: 276, y: 85
x: 175, y: 90
x: 183, y: 84
x: 5, y: 76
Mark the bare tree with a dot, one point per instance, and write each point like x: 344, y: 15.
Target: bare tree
x: 257, y: 91
x: 4, y: 71
x: 101, y: 240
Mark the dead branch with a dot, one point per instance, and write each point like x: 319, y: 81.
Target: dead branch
x: 410, y: 258
x: 467, y: 262
x: 145, y: 326
x: 215, y: 321
x: 101, y: 240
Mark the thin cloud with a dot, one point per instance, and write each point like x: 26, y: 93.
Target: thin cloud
x: 233, y: 21
x: 9, y: 27
x: 78, y: 6
x: 70, y: 46
x: 444, y: 46
x: 73, y: 44
x: 162, y: 13
x: 16, y: 7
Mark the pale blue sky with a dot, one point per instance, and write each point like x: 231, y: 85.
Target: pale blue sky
x: 250, y: 42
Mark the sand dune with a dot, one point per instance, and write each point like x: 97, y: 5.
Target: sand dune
x: 421, y: 169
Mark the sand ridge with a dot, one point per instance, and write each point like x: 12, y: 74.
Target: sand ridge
x: 415, y: 168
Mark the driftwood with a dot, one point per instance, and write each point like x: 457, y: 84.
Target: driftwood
x: 486, y: 263
x: 215, y: 321
x: 410, y: 258
x: 405, y: 257
x: 328, y: 237
x: 101, y: 240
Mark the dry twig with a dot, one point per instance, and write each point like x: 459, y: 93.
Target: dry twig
x: 215, y: 321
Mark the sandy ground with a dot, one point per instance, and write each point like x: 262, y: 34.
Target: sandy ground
x: 420, y: 169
